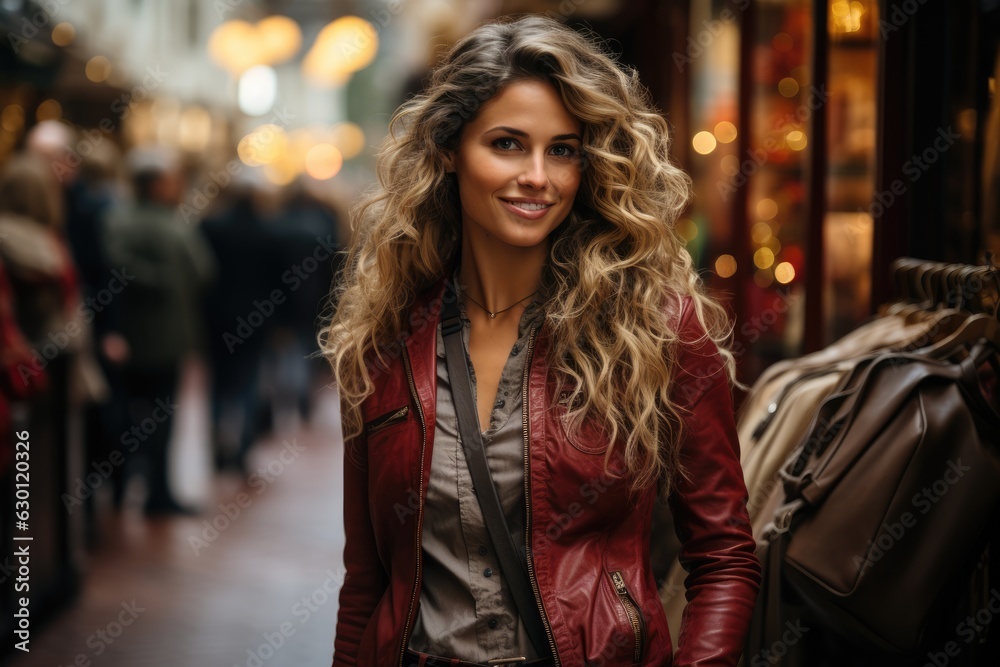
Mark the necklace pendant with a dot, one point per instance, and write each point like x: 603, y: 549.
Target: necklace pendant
x: 493, y: 316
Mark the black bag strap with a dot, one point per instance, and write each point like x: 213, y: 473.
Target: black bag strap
x: 511, y: 563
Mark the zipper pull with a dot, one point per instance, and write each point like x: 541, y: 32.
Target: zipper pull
x: 619, y: 583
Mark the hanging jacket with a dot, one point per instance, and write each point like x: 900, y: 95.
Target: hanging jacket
x: 587, y: 537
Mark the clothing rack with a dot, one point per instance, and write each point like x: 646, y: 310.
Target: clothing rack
x: 930, y: 285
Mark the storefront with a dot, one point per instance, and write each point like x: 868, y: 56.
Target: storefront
x: 825, y: 139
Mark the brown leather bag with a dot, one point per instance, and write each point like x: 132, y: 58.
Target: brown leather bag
x: 885, y: 501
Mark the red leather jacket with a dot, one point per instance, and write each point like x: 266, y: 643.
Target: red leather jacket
x: 588, y: 542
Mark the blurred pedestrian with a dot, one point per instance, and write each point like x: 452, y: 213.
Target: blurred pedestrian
x: 168, y: 266
x: 248, y: 272
x: 305, y: 236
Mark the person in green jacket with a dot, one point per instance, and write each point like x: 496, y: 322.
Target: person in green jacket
x: 165, y: 265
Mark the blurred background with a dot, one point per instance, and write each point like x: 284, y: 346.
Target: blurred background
x: 174, y: 186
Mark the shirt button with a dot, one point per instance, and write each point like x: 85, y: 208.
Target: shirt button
x: 488, y: 572
x: 483, y: 551
x: 492, y: 624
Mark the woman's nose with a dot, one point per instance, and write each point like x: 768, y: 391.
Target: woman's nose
x: 534, y: 174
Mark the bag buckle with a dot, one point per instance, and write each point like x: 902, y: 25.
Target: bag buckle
x: 520, y: 660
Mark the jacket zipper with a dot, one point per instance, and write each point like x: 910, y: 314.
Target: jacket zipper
x: 527, y: 499
x: 632, y: 612
x: 420, y: 505
x: 376, y: 425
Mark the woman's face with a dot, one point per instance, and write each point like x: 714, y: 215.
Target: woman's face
x: 518, y: 164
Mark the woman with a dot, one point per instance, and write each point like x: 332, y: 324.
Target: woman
x: 530, y: 181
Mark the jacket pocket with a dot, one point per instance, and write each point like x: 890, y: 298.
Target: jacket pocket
x: 390, y: 418
x: 632, y: 612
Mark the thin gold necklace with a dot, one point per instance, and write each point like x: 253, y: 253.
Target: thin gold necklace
x: 493, y: 315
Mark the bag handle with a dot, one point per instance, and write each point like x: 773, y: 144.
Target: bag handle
x: 511, y: 564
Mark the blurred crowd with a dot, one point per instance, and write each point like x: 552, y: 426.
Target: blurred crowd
x: 104, y: 267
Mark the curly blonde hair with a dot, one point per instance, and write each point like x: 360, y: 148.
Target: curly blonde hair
x: 614, y: 263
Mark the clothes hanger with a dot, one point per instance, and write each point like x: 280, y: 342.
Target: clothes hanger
x: 901, y: 268
x: 923, y: 286
x: 970, y: 330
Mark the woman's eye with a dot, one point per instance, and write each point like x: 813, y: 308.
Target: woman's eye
x: 563, y: 151
x: 505, y: 143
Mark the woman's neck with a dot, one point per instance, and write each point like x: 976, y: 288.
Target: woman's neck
x: 498, y: 275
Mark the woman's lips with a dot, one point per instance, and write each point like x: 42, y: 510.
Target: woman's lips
x: 526, y: 213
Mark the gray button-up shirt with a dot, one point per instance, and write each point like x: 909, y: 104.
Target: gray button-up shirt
x: 466, y: 608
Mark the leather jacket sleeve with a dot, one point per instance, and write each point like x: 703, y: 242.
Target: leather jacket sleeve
x: 711, y: 520
x: 365, y: 579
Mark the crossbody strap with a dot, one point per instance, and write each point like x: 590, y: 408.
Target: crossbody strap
x: 511, y: 564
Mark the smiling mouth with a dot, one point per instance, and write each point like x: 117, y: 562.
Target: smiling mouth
x: 526, y: 206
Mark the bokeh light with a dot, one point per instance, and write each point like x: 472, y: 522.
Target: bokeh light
x: 796, y: 140
x: 725, y: 132
x: 767, y: 208
x: 725, y: 266
x: 343, y: 46
x: 704, y: 142
x: 63, y: 34
x: 788, y: 87
x: 760, y: 232
x: 12, y: 117
x: 687, y: 229
x: 348, y: 138
x: 784, y: 273
x: 763, y: 258
x: 48, y: 110
x: 730, y: 165
x: 98, y: 69
x: 323, y: 161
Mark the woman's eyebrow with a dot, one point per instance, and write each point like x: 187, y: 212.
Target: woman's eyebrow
x: 521, y: 133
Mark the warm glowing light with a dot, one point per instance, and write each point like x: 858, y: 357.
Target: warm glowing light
x: 704, y: 142
x: 63, y: 34
x: 796, y: 140
x: 248, y: 154
x: 725, y: 266
x: 12, y: 117
x: 788, y: 87
x: 98, y: 69
x: 279, y: 39
x: 725, y: 132
x: 687, y: 229
x: 767, y: 208
x: 760, y: 232
x: 233, y: 46
x: 48, y: 110
x: 346, y: 45
x: 263, y: 145
x: 763, y: 258
x: 846, y: 15
x: 763, y: 278
x: 323, y: 161
x: 784, y: 273
x: 773, y: 244
x: 348, y: 138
